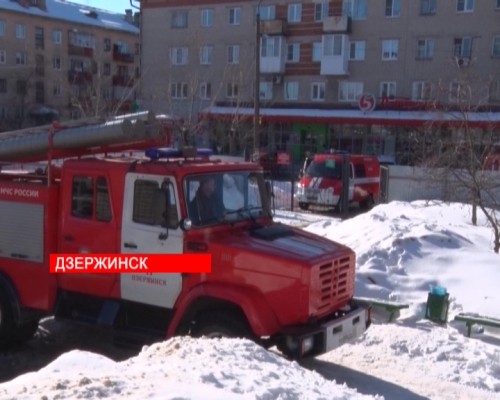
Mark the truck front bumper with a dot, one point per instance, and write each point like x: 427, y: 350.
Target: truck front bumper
x: 310, y: 341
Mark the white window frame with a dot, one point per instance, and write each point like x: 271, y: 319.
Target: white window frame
x: 462, y: 47
x: 179, y: 55
x: 232, y: 90
x: 179, y: 19
x: 20, y: 31
x: 20, y: 58
x: 425, y: 49
x: 318, y: 91
x: 265, y: 90
x: 234, y: 16
x: 233, y: 54
x: 495, y: 47
x: 356, y: 9
x: 317, y: 52
x: 293, y: 52
x: 294, y: 14
x: 206, y: 55
x: 178, y: 90
x: 332, y: 45
x: 207, y: 17
x: 291, y: 90
x: 57, y: 89
x: 390, y: 49
x: 321, y: 10
x: 421, y: 90
x: 267, y: 12
x: 350, y: 91
x: 57, y: 63
x: 465, y: 6
x: 270, y: 46
x: 3, y: 56
x: 357, y: 50
x: 57, y: 36
x: 428, y: 7
x: 205, y: 90
x: 392, y: 8
x: 388, y: 89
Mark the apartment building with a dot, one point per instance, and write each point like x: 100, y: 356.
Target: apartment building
x: 383, y: 77
x: 60, y: 60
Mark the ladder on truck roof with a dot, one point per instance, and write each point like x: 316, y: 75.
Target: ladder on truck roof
x: 84, y: 137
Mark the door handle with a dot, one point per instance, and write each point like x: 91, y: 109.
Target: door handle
x: 130, y: 245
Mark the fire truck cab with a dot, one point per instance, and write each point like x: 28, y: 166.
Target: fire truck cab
x: 322, y: 179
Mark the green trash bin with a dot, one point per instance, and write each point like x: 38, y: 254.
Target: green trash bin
x: 437, y: 305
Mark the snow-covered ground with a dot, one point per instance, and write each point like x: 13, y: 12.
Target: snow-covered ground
x: 403, y: 250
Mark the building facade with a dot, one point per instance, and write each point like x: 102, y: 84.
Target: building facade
x: 384, y: 77
x: 60, y: 60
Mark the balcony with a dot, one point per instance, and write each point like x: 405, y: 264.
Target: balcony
x: 122, y: 56
x: 273, y: 27
x: 80, y: 51
x: 274, y: 50
x: 337, y: 24
x: 333, y: 62
x: 75, y: 76
x: 121, y: 80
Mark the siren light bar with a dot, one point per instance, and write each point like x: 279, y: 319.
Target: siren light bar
x: 170, y: 152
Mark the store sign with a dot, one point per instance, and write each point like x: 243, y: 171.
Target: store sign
x: 367, y: 102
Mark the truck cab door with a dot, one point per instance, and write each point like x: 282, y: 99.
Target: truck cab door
x: 150, y: 225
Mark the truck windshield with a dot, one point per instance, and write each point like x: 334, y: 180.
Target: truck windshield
x: 225, y: 197
x: 325, y: 169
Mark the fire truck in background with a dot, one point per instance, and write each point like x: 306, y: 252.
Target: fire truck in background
x: 275, y: 284
x: 324, y: 175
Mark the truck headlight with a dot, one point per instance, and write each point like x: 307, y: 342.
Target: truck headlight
x: 307, y: 344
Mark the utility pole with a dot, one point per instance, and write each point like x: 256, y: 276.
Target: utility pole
x: 256, y: 101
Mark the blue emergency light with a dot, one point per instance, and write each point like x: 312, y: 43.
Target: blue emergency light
x: 170, y: 152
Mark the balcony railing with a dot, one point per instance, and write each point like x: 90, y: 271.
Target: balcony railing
x: 273, y: 27
x: 337, y: 24
x: 123, y: 57
x: 120, y: 80
x: 75, y: 76
x: 80, y: 51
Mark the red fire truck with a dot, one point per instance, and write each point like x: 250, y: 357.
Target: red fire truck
x: 275, y: 284
x: 322, y: 179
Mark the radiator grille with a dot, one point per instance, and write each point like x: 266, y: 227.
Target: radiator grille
x: 334, y: 283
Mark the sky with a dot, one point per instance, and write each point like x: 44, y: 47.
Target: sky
x: 403, y: 251
x: 118, y: 6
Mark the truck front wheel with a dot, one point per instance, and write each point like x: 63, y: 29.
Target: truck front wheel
x: 217, y: 325
x: 6, y: 322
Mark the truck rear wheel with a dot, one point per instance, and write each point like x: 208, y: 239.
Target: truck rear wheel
x: 219, y: 324
x: 303, y: 206
x: 6, y: 322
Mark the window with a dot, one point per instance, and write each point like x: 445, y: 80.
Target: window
x: 392, y: 8
x: 390, y: 49
x: 21, y: 87
x: 39, y: 65
x: 2, y: 27
x: 179, y: 90
x: 320, y: 10
x: 205, y: 91
x: 350, y: 91
x: 495, y: 52
x: 356, y: 9
x: 3, y: 85
x: 206, y: 53
x: 232, y: 90
x: 270, y: 46
x: 20, y: 58
x: 179, y: 55
x: 150, y: 206
x: 318, y: 91
x: 106, y: 69
x: 267, y: 13
x: 498, y: 4
x: 82, y: 200
x: 421, y: 90
x: 207, y: 17
x: 179, y: 19
x: 39, y: 38
x: 57, y: 90
x: 425, y: 49
x: 458, y: 92
x: 265, y: 90
x: 57, y: 36
x: 3, y: 56
x: 57, y: 63
x: 107, y: 44
x: 233, y: 54
x: 387, y: 89
x: 465, y: 5
x: 293, y: 52
x: 294, y: 12
x: 427, y: 7
x: 316, y: 51
x: 494, y: 92
x: 332, y: 45
x: 291, y: 90
x: 234, y: 16
x: 462, y: 47
x: 20, y: 31
x: 82, y: 39
x: 357, y: 50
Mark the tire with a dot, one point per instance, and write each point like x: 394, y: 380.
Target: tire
x: 219, y: 325
x: 304, y: 206
x: 7, y: 323
x: 368, y: 203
